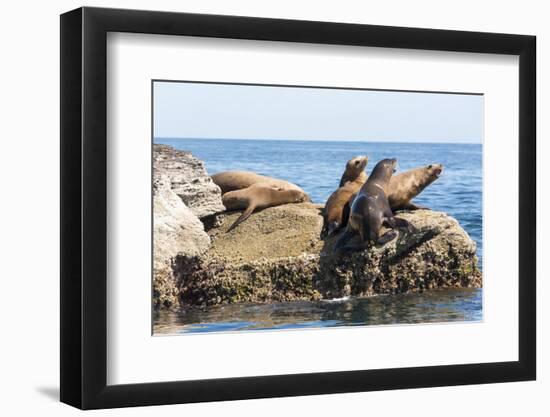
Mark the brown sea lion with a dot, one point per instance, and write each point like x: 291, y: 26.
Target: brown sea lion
x: 238, y: 180
x: 402, y: 188
x: 355, y: 171
x: 337, y: 207
x: 259, y: 196
x: 370, y: 210
x: 407, y: 185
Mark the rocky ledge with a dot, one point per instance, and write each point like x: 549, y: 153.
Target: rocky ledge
x: 276, y: 255
x: 187, y: 178
x: 183, y: 195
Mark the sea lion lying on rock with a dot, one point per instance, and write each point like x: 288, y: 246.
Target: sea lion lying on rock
x: 370, y: 210
x: 259, y: 196
x: 250, y: 191
x: 402, y: 189
x: 238, y: 180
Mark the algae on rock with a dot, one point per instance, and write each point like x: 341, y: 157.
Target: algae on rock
x: 276, y: 255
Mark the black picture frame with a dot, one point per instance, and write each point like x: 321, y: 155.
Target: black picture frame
x: 84, y: 207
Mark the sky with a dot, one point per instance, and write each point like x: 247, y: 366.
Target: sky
x: 233, y: 111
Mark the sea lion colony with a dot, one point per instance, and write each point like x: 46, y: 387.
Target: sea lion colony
x: 402, y: 188
x: 370, y: 210
x: 360, y: 205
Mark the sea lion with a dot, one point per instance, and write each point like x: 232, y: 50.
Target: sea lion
x: 238, y: 180
x: 407, y: 185
x: 355, y: 171
x: 402, y: 189
x: 371, y: 209
x: 259, y: 196
x: 337, y: 207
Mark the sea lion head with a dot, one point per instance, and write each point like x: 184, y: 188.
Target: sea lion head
x: 356, y: 165
x: 234, y: 199
x: 384, y: 169
x: 298, y: 196
x: 433, y: 172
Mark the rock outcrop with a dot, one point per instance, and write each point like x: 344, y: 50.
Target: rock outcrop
x: 183, y: 192
x: 276, y: 255
x: 176, y: 232
x: 188, y: 179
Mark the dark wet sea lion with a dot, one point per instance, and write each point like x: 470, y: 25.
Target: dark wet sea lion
x: 370, y: 210
x: 335, y: 208
x: 238, y: 180
x: 259, y: 196
x: 402, y: 189
x: 407, y: 185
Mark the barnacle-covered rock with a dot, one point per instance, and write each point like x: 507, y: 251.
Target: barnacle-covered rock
x: 276, y: 255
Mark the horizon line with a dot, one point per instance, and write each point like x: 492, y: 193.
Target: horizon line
x: 173, y: 138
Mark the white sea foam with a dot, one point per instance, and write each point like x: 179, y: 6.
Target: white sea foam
x: 337, y: 300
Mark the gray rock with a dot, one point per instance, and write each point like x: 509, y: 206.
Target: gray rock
x: 188, y: 179
x: 276, y: 255
x: 176, y: 232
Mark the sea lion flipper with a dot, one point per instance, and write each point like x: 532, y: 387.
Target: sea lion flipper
x: 404, y: 224
x: 245, y: 215
x: 386, y: 237
x: 324, y: 232
x: 346, y: 211
x: 325, y: 229
x: 398, y: 223
x: 340, y: 246
x: 412, y: 206
x: 329, y: 229
x: 333, y: 227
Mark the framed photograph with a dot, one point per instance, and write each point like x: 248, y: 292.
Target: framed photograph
x: 257, y: 208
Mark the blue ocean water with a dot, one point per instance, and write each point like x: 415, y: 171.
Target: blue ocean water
x: 316, y: 166
x: 452, y: 305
